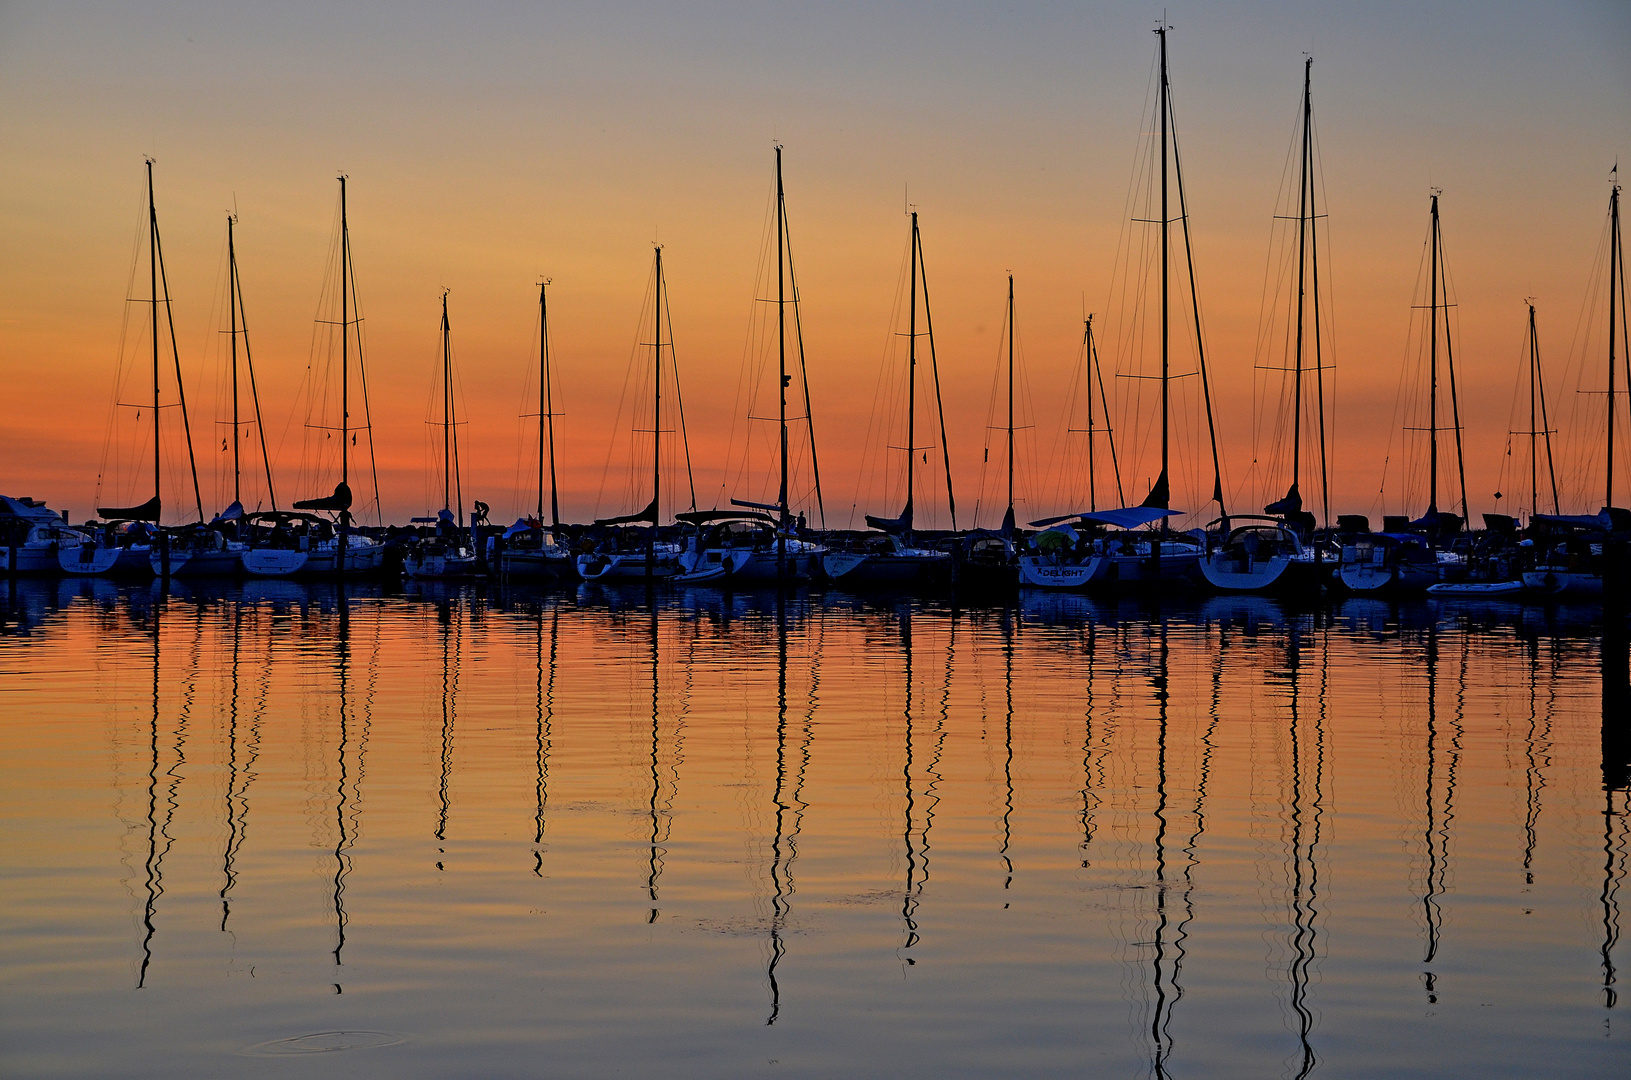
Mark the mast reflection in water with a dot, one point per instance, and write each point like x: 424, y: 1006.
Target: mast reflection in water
x: 447, y: 832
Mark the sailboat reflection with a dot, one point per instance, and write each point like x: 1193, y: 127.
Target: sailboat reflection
x: 1437, y: 833
x: 544, y: 730
x: 452, y: 639
x: 661, y: 808
x: 915, y: 836
x: 1616, y: 694
x: 159, y: 840
x: 239, y: 775
x: 1307, y: 817
x: 790, y: 805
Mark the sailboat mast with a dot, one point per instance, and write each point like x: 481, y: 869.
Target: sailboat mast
x: 781, y: 364
x: 1545, y: 423
x: 656, y: 418
x: 232, y: 290
x: 175, y: 349
x: 546, y: 407
x: 1534, y: 465
x: 781, y: 329
x: 237, y: 299
x: 1162, y: 91
x: 1432, y: 352
x: 1614, y: 272
x: 1314, y: 267
x: 1302, y: 301
x: 345, y: 334
x: 447, y: 413
x: 1087, y: 358
x: 153, y: 291
x: 911, y: 381
x: 1010, y: 397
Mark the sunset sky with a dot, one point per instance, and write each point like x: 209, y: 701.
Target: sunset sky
x: 489, y: 145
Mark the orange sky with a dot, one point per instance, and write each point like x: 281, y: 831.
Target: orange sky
x: 488, y: 147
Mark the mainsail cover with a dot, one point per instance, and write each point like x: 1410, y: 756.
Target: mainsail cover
x: 147, y: 511
x: 338, y: 502
x: 648, y: 514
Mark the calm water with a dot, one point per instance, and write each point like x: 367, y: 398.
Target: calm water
x: 270, y: 832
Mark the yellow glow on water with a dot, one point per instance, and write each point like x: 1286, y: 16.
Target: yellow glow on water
x: 718, y: 831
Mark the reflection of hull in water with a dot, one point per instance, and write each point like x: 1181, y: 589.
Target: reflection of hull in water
x: 538, y: 565
x: 1286, y: 574
x: 904, y: 569
x: 440, y: 566
x: 1052, y: 607
x: 1048, y: 572
x: 93, y: 560
x: 1476, y: 590
x: 1561, y: 581
x: 361, y: 556
x: 1392, y: 578
x: 714, y: 566
x: 1242, y: 609
x: 227, y: 562
x: 628, y: 567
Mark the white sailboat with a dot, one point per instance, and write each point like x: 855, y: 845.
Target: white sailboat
x: 622, y: 556
x: 528, y: 550
x: 445, y: 554
x: 1572, y: 562
x: 130, y: 541
x: 1272, y: 553
x: 762, y: 543
x: 31, y: 535
x: 1398, y: 562
x: 1135, y: 553
x: 341, y: 551
x: 891, y: 560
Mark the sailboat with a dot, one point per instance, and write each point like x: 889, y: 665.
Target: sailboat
x: 891, y: 560
x: 528, y: 550
x: 991, y: 559
x: 308, y: 544
x: 1491, y: 570
x: 644, y: 558
x: 1574, y: 553
x: 1271, y: 553
x: 1135, y: 554
x: 1060, y: 557
x: 209, y: 550
x: 1408, y: 562
x: 760, y: 544
x: 446, y: 554
x: 130, y: 541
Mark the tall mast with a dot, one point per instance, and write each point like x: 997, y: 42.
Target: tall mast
x: 232, y: 290
x: 781, y: 364
x: 447, y: 412
x: 1432, y: 422
x: 1162, y: 90
x: 546, y: 409
x: 153, y: 281
x: 934, y: 368
x: 1614, y: 272
x: 175, y: 352
x: 656, y: 419
x: 1010, y: 398
x: 1302, y: 303
x: 345, y: 334
x: 1314, y: 266
x: 236, y: 298
x: 1545, y: 423
x: 1087, y: 358
x: 1534, y: 465
x: 911, y: 381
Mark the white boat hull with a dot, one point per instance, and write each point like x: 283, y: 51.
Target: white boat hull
x: 628, y: 566
x: 440, y: 566
x: 96, y: 561
x: 1048, y: 572
x: 1278, y: 573
x: 227, y: 562
x: 1560, y: 581
x: 902, y: 569
x: 1369, y: 577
